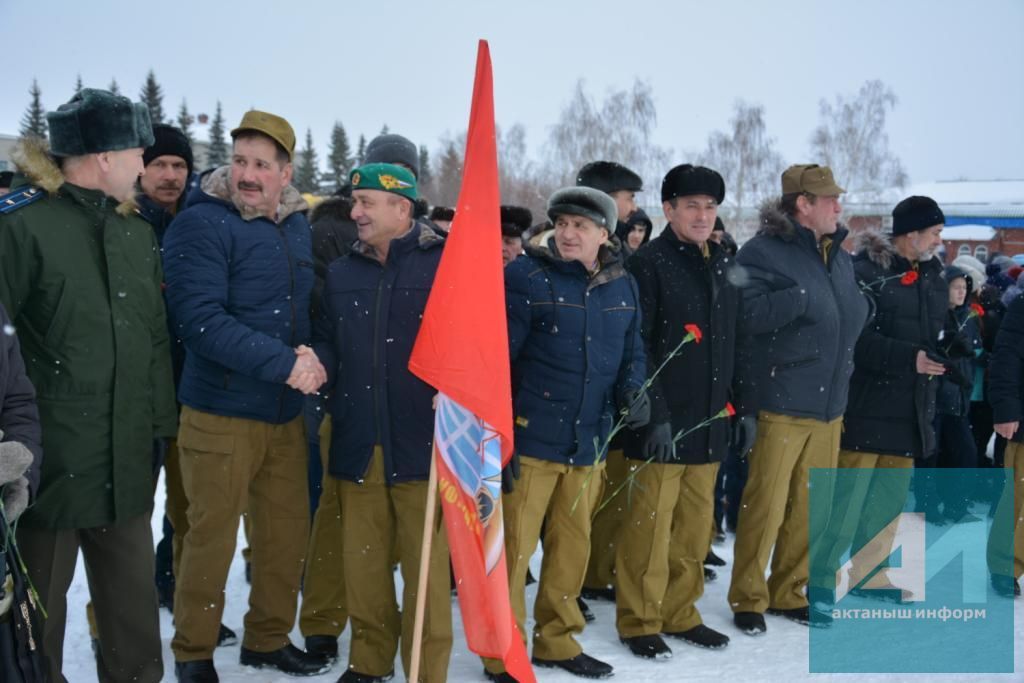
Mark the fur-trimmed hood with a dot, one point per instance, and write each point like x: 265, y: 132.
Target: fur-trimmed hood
x: 32, y: 157
x: 775, y: 223
x: 335, y: 209
x: 609, y: 256
x: 217, y: 184
x: 878, y: 248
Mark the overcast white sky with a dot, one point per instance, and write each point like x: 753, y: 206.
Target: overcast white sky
x: 957, y: 66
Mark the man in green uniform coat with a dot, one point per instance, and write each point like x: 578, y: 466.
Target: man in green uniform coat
x: 81, y: 277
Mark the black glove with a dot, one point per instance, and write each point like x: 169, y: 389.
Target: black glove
x: 959, y: 346
x: 159, y: 454
x: 954, y: 375
x: 637, y: 406
x: 658, y: 444
x: 743, y: 434
x: 510, y: 474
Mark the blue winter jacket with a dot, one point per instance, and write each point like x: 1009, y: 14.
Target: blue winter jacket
x: 238, y: 291
x: 369, y: 317
x: 576, y: 349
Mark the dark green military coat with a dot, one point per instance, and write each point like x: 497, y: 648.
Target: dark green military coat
x: 81, y: 279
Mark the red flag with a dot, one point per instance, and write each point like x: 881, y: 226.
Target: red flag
x: 462, y: 350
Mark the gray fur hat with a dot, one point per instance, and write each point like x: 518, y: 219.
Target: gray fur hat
x: 587, y: 202
x: 95, y: 121
x: 393, y: 149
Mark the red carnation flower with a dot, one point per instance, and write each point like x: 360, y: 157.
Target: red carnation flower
x: 909, y: 277
x: 693, y: 330
x: 729, y: 409
x: 977, y: 310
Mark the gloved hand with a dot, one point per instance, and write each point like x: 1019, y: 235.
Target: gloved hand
x: 658, y: 444
x: 959, y: 346
x: 954, y: 375
x: 15, y: 497
x: 510, y: 474
x: 159, y: 454
x: 743, y: 434
x: 15, y: 459
x: 637, y: 406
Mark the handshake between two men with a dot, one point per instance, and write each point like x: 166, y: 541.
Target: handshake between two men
x: 308, y: 373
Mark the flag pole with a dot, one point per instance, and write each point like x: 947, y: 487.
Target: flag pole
x: 421, y: 588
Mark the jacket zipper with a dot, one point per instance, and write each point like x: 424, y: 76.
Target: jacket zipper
x: 376, y: 358
x: 291, y: 301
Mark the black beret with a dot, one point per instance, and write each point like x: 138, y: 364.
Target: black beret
x: 609, y: 177
x: 686, y: 179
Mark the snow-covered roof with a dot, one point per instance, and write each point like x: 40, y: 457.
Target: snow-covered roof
x: 968, y: 233
x: 968, y: 198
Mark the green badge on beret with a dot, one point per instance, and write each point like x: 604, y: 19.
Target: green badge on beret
x: 386, y: 178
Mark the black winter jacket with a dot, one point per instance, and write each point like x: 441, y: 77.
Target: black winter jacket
x: 1006, y: 370
x: 19, y: 416
x: 369, y: 317
x: 803, y: 317
x: 961, y: 329
x: 891, y: 406
x: 679, y: 287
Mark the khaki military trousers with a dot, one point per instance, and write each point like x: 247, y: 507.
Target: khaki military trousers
x: 119, y: 567
x: 774, y: 511
x: 862, y: 508
x: 546, y: 492
x: 230, y: 466
x: 377, y: 519
x: 323, y: 610
x: 607, y: 520
x: 659, y: 561
x: 998, y: 562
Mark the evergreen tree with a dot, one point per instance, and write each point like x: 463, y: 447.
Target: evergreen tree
x: 361, y: 150
x: 113, y: 87
x: 153, y: 97
x: 217, y: 154
x: 33, y: 123
x: 340, y: 158
x: 426, y: 175
x: 185, y: 121
x: 307, y: 173
x: 78, y: 84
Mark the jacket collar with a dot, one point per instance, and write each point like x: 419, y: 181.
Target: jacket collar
x: 421, y: 236
x: 216, y: 184
x: 609, y: 256
x: 32, y: 157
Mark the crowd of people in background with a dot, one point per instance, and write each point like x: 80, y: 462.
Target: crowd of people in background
x: 210, y: 324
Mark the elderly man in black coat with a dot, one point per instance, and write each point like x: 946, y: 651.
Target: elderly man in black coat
x: 889, y: 419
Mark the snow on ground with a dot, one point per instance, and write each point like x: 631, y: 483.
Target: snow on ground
x: 779, y: 655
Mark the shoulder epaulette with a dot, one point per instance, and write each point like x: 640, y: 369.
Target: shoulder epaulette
x: 23, y: 196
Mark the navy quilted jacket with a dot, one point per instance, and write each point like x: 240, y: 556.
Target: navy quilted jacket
x: 576, y: 349
x: 239, y: 291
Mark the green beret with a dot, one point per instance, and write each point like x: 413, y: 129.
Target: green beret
x: 95, y: 121
x: 386, y: 178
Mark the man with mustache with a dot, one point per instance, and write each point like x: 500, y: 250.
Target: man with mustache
x: 239, y: 267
